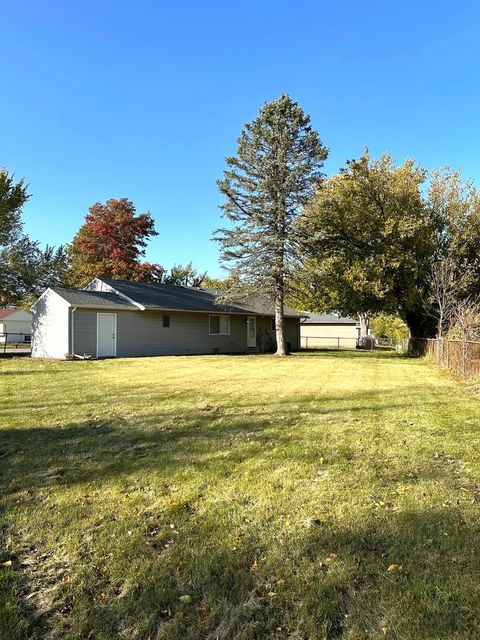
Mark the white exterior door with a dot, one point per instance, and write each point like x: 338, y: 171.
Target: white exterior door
x: 251, y: 332
x: 106, y: 335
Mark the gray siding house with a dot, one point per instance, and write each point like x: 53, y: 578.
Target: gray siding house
x: 119, y: 318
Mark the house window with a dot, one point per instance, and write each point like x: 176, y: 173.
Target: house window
x: 219, y: 325
x: 166, y: 321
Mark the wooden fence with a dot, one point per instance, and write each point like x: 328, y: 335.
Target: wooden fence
x: 459, y: 356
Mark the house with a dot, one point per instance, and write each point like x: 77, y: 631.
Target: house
x: 15, y: 325
x: 112, y: 318
x: 331, y: 331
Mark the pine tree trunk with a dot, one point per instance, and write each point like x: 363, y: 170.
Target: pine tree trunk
x: 279, y: 321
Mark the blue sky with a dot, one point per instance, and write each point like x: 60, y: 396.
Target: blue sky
x: 145, y: 99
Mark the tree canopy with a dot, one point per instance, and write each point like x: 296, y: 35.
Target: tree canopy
x: 266, y: 185
x: 111, y: 243
x: 185, y: 275
x: 13, y: 195
x: 375, y: 234
x: 25, y: 268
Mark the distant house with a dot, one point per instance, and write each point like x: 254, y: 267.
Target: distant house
x: 119, y: 318
x: 15, y: 325
x: 330, y: 331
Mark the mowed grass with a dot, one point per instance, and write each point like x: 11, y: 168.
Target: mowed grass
x: 323, y: 496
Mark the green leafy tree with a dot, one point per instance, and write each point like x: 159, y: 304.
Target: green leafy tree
x: 455, y: 269
x: 373, y: 238
x: 13, y: 195
x: 26, y: 270
x: 388, y: 326
x: 230, y: 283
x: 30, y: 270
x: 185, y: 275
x: 111, y: 243
x: 266, y: 185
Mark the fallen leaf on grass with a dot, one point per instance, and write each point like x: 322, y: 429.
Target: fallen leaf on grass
x: 185, y: 599
x: 394, y: 568
x: 203, y: 612
x: 8, y: 563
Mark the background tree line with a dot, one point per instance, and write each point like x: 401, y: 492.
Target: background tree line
x: 376, y: 238
x: 381, y: 238
x: 370, y: 240
x: 110, y: 243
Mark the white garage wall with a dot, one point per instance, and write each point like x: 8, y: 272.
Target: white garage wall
x: 50, y: 326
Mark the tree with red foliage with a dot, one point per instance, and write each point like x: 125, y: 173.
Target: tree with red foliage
x: 110, y: 244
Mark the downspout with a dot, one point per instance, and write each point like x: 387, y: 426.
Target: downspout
x: 73, y: 330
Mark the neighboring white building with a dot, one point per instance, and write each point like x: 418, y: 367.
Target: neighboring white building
x: 331, y: 331
x: 15, y: 325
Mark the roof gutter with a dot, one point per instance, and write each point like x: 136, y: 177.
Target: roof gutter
x: 244, y: 312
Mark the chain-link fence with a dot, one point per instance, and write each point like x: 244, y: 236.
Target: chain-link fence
x: 460, y: 356
x: 12, y: 344
x: 336, y: 343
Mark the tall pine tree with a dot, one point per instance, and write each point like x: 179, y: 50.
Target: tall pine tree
x: 266, y: 185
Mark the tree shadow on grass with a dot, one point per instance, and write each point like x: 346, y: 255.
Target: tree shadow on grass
x: 230, y: 557
x: 223, y: 436
x: 316, y: 580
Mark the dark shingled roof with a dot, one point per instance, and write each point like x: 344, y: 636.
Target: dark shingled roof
x: 82, y: 298
x: 177, y: 298
x: 327, y: 318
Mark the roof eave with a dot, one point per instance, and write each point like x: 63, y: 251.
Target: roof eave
x: 240, y: 312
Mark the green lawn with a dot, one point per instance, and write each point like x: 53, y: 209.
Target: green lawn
x: 327, y: 496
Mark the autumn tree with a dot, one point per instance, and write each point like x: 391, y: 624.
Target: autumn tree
x: 266, y: 185
x: 111, y: 244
